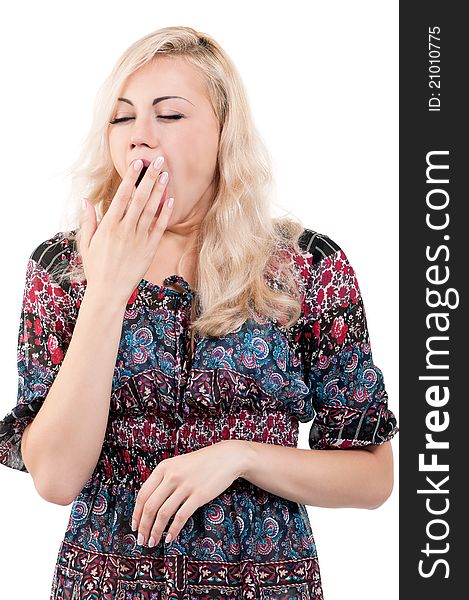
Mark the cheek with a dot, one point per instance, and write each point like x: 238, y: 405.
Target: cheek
x: 117, y: 153
x: 199, y: 169
x: 200, y: 159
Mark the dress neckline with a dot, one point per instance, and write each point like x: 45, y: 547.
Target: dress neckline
x: 179, y: 279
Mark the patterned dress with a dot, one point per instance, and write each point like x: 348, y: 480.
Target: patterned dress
x: 257, y: 383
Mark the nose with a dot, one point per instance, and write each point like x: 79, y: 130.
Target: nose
x: 143, y: 132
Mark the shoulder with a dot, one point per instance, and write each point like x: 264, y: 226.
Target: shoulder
x: 325, y: 263
x: 331, y: 281
x: 319, y: 245
x: 55, y: 249
x: 54, y: 255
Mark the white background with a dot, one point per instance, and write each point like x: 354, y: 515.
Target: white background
x: 322, y: 81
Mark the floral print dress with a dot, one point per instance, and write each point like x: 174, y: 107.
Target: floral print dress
x: 257, y: 383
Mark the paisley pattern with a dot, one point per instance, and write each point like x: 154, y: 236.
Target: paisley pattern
x: 257, y: 383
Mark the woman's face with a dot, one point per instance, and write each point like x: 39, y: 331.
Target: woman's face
x: 189, y: 144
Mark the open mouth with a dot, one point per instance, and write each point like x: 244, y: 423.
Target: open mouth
x: 141, y: 176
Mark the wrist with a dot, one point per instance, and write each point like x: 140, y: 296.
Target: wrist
x: 98, y: 296
x: 246, y: 458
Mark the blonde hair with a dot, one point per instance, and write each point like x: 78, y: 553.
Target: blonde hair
x: 240, y: 246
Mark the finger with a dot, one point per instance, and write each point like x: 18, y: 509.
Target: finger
x: 153, y: 510
x: 124, y: 192
x: 152, y: 209
x: 157, y: 229
x: 85, y: 236
x: 151, y: 182
x: 150, y: 510
x: 145, y: 492
x: 180, y: 519
x: 164, y: 514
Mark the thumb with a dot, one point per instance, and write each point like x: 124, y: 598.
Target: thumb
x: 88, y: 222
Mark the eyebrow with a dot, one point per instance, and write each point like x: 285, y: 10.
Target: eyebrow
x: 156, y: 100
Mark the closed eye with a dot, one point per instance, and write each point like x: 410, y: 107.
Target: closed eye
x: 122, y: 119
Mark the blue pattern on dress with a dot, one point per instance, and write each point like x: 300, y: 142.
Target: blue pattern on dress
x: 257, y: 383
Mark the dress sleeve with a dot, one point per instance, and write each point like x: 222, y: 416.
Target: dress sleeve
x: 348, y: 389
x: 43, y: 337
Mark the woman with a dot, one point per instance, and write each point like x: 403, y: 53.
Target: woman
x: 171, y: 343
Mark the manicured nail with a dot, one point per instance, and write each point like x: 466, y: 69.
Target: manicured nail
x: 158, y: 162
x: 138, y: 165
x: 170, y: 203
x: 151, y: 542
x: 163, y: 177
x: 134, y: 524
x: 168, y: 538
x: 140, y: 539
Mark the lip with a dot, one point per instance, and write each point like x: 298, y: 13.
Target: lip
x: 146, y: 162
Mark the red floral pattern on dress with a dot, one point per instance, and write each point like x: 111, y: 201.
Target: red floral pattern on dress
x: 339, y: 330
x: 348, y: 391
x: 256, y: 383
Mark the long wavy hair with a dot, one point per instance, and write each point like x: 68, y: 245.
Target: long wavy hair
x: 244, y: 267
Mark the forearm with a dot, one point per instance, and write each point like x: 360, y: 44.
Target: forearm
x: 65, y: 439
x: 352, y: 478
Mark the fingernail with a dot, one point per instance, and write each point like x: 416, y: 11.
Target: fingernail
x: 158, y: 162
x: 140, y: 539
x: 134, y: 524
x: 137, y: 164
x: 163, y: 177
x: 168, y: 538
x: 170, y: 203
x: 151, y: 542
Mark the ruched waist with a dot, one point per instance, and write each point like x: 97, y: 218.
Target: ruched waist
x: 134, y: 446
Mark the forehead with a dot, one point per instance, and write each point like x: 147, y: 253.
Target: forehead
x: 165, y: 76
